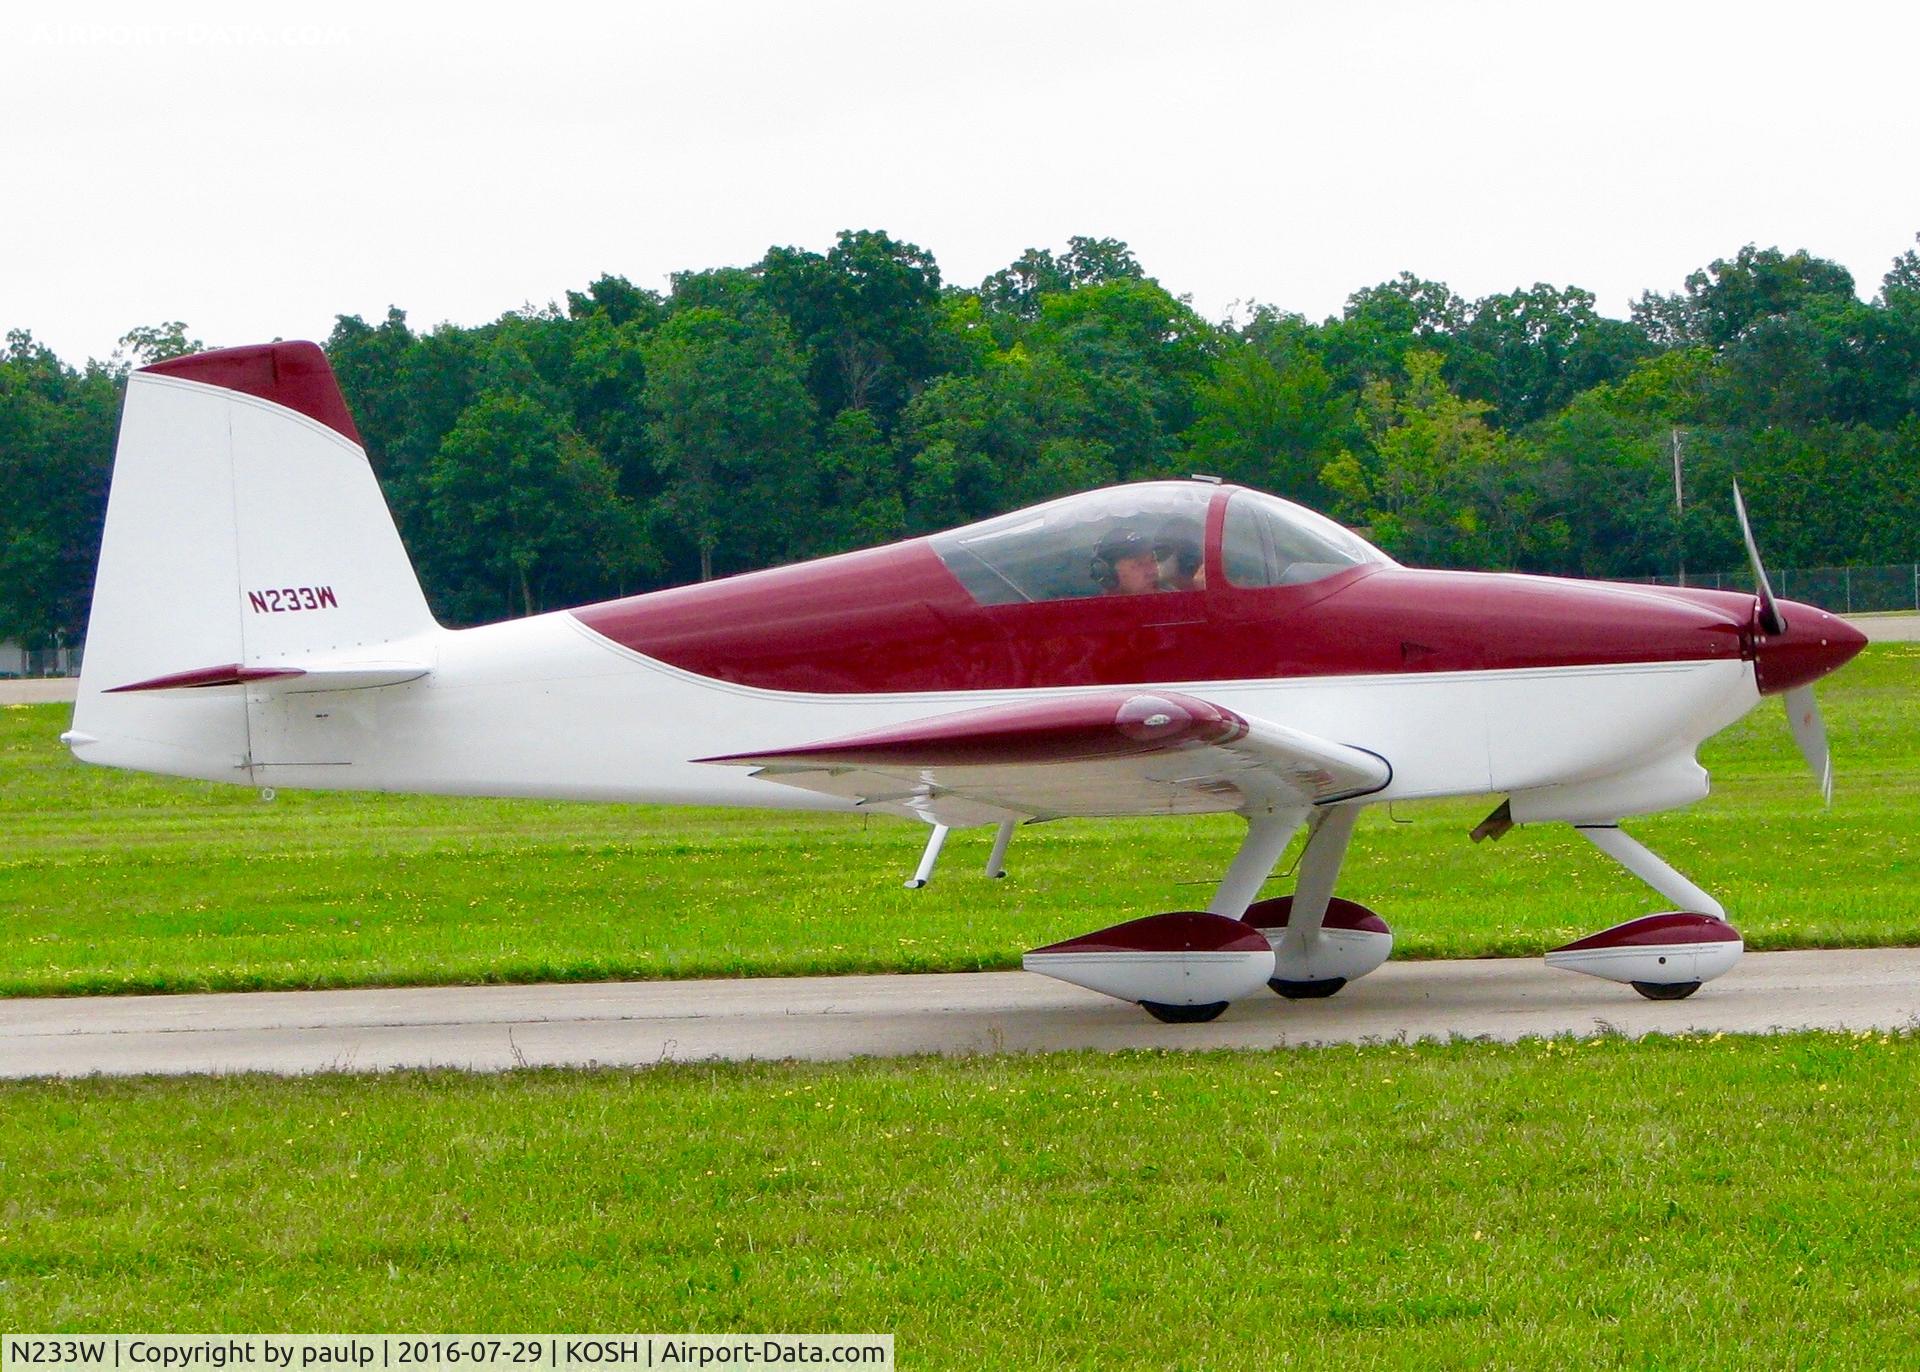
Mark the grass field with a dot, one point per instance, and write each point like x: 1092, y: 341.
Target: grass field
x: 1671, y: 1203
x: 1712, y: 1201
x: 120, y: 882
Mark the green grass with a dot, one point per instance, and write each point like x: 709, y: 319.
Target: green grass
x: 1730, y: 1202
x: 118, y: 882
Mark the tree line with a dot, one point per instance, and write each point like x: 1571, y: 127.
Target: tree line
x: 630, y: 439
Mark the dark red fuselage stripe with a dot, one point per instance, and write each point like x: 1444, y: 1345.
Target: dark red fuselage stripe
x: 894, y: 619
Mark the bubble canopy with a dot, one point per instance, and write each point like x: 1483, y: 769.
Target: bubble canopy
x: 1146, y: 538
x: 1268, y: 541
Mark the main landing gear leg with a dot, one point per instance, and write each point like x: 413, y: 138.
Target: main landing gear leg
x: 1295, y: 974
x: 924, y: 872
x: 997, y: 859
x: 1267, y: 837
x: 1663, y: 957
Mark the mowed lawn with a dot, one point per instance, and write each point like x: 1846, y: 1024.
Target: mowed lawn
x: 118, y: 882
x: 1672, y: 1203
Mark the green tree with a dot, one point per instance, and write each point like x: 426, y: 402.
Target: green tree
x: 1527, y: 353
x: 56, y: 450
x: 731, y: 290
x: 619, y: 301
x: 1725, y: 301
x: 525, y: 511
x: 856, y: 487
x: 606, y: 386
x: 1608, y: 469
x: 1141, y: 356
x: 1018, y: 288
x: 1832, y: 493
x: 867, y: 315
x: 1440, y: 486
x: 1268, y: 415
x: 1028, y: 427
x: 1890, y: 372
x: 1801, y: 369
x: 150, y: 343
x: 1382, y: 324
x: 369, y: 361
x: 731, y: 422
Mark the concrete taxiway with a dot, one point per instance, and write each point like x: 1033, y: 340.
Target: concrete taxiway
x: 630, y: 1024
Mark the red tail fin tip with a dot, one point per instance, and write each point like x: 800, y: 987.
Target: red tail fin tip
x: 295, y: 375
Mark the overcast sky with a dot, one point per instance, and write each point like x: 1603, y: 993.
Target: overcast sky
x: 254, y: 175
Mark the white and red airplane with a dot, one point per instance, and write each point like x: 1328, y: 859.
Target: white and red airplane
x: 1163, y: 648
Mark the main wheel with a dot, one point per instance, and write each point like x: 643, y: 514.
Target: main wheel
x: 1184, y: 1014
x: 1307, y: 990
x: 1666, y: 990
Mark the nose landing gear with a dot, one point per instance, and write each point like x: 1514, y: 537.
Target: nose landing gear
x: 1663, y: 957
x: 1666, y: 956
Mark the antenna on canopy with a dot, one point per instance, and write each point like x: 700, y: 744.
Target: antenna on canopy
x: 1210, y: 480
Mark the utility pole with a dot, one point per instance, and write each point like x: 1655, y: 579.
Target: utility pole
x: 1675, y: 434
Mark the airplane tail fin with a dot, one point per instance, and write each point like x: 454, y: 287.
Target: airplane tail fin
x: 247, y: 545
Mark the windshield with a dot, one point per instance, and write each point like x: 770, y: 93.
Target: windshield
x: 1129, y: 540
x: 1273, y: 542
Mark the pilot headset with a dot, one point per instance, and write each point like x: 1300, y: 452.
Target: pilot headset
x: 1116, y: 546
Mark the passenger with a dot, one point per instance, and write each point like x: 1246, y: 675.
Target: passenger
x: 1182, y: 566
x: 1124, y: 564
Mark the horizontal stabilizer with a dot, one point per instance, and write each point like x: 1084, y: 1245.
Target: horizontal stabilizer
x: 285, y: 677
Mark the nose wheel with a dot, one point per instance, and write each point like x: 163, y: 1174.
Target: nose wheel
x: 1662, y: 990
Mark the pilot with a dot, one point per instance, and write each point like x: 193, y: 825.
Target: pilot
x: 1124, y: 563
x: 1182, y: 567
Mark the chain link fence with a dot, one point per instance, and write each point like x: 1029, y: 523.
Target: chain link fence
x: 1847, y: 590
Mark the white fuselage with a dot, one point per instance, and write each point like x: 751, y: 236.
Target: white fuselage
x: 546, y: 707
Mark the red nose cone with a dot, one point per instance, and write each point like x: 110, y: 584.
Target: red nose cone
x: 1814, y: 644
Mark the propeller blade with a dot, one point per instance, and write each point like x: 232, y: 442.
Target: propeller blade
x: 1810, y: 732
x: 1771, y: 620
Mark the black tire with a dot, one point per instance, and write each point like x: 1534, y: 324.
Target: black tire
x: 1184, y: 1014
x: 1666, y: 990
x: 1307, y: 990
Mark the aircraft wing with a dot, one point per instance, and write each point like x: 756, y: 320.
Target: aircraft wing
x: 1119, y: 752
